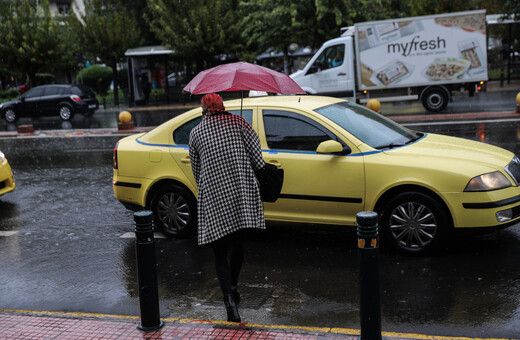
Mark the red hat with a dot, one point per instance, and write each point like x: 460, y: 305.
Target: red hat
x: 212, y: 102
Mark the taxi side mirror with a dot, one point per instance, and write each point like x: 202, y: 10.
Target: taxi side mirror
x: 332, y: 147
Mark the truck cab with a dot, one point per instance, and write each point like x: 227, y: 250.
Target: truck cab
x: 423, y: 58
x: 331, y: 70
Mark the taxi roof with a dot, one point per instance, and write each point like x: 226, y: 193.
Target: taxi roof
x: 310, y: 102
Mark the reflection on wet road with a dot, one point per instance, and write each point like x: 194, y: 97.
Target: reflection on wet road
x: 65, y: 252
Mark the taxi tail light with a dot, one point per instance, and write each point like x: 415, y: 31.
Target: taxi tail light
x: 114, y: 159
x: 75, y: 98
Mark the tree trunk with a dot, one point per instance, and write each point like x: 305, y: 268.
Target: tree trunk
x: 116, y: 87
x: 286, y: 60
x: 32, y: 78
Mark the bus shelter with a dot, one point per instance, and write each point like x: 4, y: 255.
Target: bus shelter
x: 147, y: 70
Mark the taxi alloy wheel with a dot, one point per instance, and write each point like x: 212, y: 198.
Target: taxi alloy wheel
x: 65, y: 112
x: 10, y: 115
x: 414, y: 222
x: 174, y: 210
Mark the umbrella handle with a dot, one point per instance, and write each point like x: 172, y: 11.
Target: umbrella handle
x: 241, y: 100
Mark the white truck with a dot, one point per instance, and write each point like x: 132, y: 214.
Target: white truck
x: 421, y: 58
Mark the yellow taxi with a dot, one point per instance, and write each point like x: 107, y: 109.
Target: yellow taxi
x: 339, y: 158
x: 6, y: 176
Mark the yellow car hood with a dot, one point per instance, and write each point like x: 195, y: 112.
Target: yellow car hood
x: 448, y: 152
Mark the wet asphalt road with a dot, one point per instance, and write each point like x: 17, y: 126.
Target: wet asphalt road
x: 492, y: 101
x: 64, y: 248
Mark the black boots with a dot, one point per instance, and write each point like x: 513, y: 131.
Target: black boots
x: 231, y: 308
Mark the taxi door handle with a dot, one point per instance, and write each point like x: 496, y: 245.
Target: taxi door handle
x: 275, y: 163
x: 185, y: 160
x: 342, y: 74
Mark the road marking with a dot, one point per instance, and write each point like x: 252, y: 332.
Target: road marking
x: 463, y: 122
x: 8, y: 232
x: 132, y: 235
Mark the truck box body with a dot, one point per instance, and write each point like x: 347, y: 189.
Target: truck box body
x: 403, y: 58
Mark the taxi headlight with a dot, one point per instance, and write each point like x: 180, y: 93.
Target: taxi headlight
x: 486, y: 182
x: 2, y: 157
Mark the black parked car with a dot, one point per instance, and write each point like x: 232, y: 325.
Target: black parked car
x: 47, y: 100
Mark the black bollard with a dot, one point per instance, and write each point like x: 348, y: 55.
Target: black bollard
x: 147, y: 272
x: 368, y: 270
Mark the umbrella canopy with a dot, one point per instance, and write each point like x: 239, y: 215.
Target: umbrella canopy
x: 242, y: 76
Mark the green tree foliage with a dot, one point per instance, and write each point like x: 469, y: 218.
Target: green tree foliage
x: 106, y: 30
x: 280, y: 23
x: 426, y: 7
x: 97, y: 77
x: 30, y: 39
x: 512, y: 7
x: 197, y: 30
x: 273, y: 23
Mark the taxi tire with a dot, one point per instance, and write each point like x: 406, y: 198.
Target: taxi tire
x: 177, y: 204
x: 418, y: 206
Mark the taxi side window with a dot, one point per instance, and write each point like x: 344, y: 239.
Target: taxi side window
x: 290, y: 131
x: 181, y: 135
x: 246, y: 114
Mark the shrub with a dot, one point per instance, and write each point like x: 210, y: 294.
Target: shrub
x: 44, y: 79
x: 96, y: 77
x: 9, y: 94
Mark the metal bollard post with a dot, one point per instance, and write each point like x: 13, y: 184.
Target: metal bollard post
x: 147, y: 272
x: 368, y: 271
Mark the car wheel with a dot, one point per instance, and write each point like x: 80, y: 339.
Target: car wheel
x: 435, y: 100
x: 10, y: 115
x: 414, y: 222
x: 65, y: 112
x: 175, y: 211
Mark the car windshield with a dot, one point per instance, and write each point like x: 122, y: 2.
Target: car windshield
x: 368, y: 126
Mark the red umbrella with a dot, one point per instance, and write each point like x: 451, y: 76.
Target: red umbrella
x: 242, y: 76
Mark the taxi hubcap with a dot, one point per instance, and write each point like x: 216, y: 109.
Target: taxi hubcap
x: 173, y: 211
x: 413, y: 225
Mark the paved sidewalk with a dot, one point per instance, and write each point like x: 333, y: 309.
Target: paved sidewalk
x: 82, y: 326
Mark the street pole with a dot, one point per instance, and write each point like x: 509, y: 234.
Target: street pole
x: 147, y: 272
x: 368, y: 270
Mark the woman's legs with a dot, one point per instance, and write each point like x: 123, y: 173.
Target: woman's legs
x: 227, y: 273
x: 223, y: 269
x: 236, y: 259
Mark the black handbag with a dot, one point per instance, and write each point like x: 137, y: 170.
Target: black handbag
x: 270, y: 179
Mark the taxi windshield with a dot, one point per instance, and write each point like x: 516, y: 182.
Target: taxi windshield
x: 368, y: 126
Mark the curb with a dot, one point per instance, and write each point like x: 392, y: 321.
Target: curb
x: 291, y: 332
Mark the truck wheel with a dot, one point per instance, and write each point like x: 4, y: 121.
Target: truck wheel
x: 435, y: 100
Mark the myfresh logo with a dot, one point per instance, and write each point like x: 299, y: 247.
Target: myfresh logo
x: 416, y: 45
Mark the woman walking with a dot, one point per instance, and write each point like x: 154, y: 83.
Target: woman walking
x: 224, y: 153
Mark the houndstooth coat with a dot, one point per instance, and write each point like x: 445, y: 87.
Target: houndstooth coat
x: 224, y: 152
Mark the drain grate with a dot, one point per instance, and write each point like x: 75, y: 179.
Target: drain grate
x: 251, y: 297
